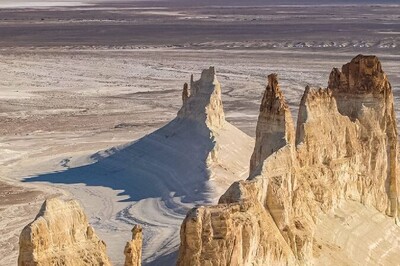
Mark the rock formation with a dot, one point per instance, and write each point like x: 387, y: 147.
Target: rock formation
x: 344, y: 150
x: 274, y: 125
x: 202, y: 110
x: 61, y: 235
x: 133, y: 248
x: 191, y: 160
x: 203, y: 103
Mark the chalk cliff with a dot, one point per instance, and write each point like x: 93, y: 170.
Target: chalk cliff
x: 343, y: 150
x: 61, y: 235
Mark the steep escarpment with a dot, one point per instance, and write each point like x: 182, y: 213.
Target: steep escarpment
x: 344, y: 150
x: 365, y: 95
x: 61, y: 235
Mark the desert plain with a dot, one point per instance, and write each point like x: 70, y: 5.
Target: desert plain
x: 79, y: 78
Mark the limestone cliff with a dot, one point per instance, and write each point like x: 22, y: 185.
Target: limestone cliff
x: 61, y: 235
x: 274, y: 126
x: 364, y: 94
x: 133, y: 248
x: 345, y: 149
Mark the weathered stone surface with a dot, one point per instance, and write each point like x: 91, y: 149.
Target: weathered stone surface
x: 227, y: 147
x: 275, y: 124
x: 203, y: 103
x: 235, y: 234
x: 133, y: 248
x: 61, y: 235
x: 345, y: 149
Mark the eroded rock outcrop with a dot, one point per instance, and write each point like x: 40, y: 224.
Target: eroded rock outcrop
x: 203, y: 103
x: 275, y: 124
x: 344, y: 149
x: 133, y: 248
x: 61, y: 235
x: 202, y: 110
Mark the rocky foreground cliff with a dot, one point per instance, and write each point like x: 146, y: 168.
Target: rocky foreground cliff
x: 61, y: 235
x: 343, y: 152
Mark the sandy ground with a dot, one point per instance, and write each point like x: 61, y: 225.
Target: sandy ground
x: 77, y: 81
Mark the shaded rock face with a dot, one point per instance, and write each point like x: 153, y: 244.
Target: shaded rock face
x: 133, y: 248
x: 61, y: 235
x: 344, y: 149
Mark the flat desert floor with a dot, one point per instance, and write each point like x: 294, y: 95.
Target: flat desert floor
x: 75, y: 81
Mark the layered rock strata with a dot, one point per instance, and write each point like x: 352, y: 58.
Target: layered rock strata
x: 133, y: 248
x: 344, y: 149
x: 61, y: 235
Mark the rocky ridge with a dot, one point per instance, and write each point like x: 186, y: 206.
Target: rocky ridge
x: 344, y: 150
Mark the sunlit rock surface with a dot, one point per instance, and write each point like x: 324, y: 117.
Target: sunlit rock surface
x: 61, y: 235
x: 133, y: 248
x: 344, y: 151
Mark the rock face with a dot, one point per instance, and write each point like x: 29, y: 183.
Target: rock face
x: 61, y: 235
x: 133, y: 248
x: 202, y: 108
x: 275, y: 124
x: 344, y: 150
x: 203, y: 102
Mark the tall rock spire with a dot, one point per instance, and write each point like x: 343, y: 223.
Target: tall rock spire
x: 203, y: 104
x: 275, y: 124
x: 133, y: 248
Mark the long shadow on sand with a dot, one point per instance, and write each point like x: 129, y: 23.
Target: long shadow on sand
x: 170, y: 162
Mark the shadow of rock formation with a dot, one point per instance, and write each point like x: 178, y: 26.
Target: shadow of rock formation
x: 189, y: 161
